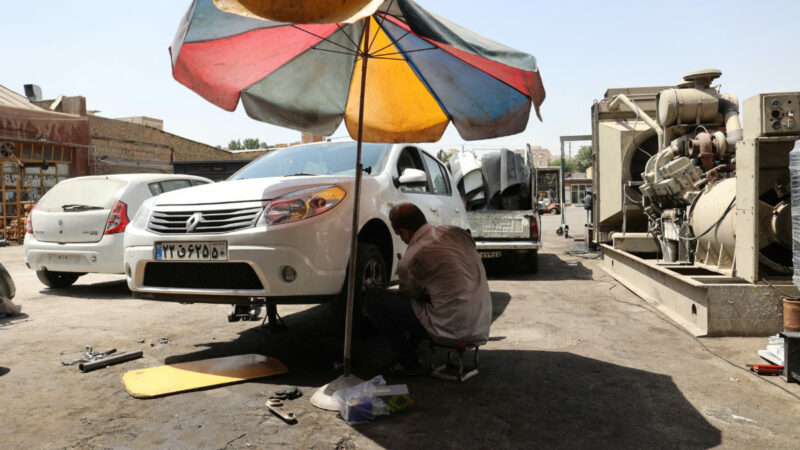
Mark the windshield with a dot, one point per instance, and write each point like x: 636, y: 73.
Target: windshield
x: 81, y: 195
x: 330, y: 158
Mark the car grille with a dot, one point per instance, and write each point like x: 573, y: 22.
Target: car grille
x: 198, y: 275
x: 213, y: 221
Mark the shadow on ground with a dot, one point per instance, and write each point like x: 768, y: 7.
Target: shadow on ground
x: 536, y: 399
x: 311, y: 346
x: 11, y: 320
x: 107, y: 290
x: 552, y: 267
x: 4, y: 370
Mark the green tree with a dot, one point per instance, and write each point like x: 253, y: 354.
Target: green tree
x: 235, y: 144
x: 583, y: 160
x: 569, y: 164
x: 251, y: 143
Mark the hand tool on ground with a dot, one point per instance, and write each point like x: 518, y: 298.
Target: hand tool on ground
x: 275, y: 405
x: 765, y: 369
x: 88, y: 356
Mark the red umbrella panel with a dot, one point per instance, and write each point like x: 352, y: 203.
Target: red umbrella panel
x: 424, y: 72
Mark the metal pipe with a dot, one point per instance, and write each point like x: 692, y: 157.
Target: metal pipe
x: 100, y: 363
x: 563, y: 190
x: 729, y: 107
x: 622, y: 98
x: 351, y: 270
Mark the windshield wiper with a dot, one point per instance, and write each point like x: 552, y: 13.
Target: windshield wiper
x: 302, y: 175
x: 78, y: 207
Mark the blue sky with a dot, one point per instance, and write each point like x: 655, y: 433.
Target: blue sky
x: 115, y: 53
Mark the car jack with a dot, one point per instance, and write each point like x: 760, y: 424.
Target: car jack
x: 273, y: 322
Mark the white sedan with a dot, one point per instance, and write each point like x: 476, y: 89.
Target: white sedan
x: 278, y: 230
x: 77, y: 227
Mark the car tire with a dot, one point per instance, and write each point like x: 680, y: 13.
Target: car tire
x: 57, y: 279
x: 532, y: 261
x: 370, y: 271
x: 555, y: 211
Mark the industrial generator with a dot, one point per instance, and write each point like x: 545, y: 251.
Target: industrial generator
x: 691, y: 206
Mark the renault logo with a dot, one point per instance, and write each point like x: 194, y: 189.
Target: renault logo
x: 193, y: 221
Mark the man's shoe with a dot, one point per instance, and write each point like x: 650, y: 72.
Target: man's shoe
x: 408, y: 369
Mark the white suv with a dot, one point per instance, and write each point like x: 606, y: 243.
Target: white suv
x: 77, y: 227
x: 278, y: 230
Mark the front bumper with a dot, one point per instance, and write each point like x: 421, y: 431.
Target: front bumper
x: 104, y: 256
x: 256, y: 259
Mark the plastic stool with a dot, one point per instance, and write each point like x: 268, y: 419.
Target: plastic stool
x: 462, y: 373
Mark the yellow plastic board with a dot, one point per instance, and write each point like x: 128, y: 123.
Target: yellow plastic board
x: 187, y: 376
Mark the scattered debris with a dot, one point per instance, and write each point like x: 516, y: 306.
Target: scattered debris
x: 140, y: 341
x: 774, y: 351
x: 164, y: 340
x: 235, y: 439
x: 765, y: 369
x: 108, y: 361
x: 290, y: 393
x: 88, y: 356
x: 743, y: 419
x: 275, y: 405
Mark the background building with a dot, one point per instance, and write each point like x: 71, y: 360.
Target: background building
x: 541, y: 156
x: 45, y: 141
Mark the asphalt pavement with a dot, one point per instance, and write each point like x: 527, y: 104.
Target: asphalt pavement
x: 574, y: 361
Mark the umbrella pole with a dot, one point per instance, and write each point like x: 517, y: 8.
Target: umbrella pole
x: 351, y: 271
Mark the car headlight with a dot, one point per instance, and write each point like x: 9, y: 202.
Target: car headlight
x: 143, y: 214
x: 301, y: 205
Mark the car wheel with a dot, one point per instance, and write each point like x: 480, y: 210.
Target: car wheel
x: 370, y: 272
x: 554, y: 211
x: 57, y: 279
x: 532, y: 261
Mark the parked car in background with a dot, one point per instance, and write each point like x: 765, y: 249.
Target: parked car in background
x: 549, y: 207
x: 77, y: 227
x: 278, y: 231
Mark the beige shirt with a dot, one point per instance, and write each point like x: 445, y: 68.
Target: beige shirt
x: 443, y: 274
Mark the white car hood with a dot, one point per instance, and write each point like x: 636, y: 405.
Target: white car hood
x: 252, y: 189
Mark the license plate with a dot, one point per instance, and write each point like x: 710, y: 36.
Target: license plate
x: 490, y: 255
x: 63, y: 259
x: 191, y: 251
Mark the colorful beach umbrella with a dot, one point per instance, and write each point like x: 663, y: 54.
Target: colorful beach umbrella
x: 424, y: 73
x: 392, y: 71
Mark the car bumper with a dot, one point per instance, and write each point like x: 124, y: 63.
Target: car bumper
x: 254, y: 267
x: 507, y: 245
x: 104, y: 256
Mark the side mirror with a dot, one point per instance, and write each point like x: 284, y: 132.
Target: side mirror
x: 412, y: 177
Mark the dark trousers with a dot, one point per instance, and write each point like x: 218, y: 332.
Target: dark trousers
x: 391, y: 314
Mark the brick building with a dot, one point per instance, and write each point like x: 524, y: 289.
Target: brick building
x: 541, y: 156
x: 45, y: 141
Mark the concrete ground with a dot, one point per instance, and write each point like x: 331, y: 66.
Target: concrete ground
x: 574, y: 360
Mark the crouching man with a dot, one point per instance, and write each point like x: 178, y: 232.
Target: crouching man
x: 443, y: 295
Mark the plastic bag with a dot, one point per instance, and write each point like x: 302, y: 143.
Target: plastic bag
x: 359, y: 404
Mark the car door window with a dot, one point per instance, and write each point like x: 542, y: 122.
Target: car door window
x: 155, y: 188
x: 438, y: 177
x: 409, y: 159
x: 172, y: 185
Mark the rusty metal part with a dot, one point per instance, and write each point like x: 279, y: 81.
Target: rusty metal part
x: 276, y: 407
x: 791, y: 314
x: 104, y: 362
x: 703, y: 147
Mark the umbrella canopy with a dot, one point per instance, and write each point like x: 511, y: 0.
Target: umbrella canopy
x: 424, y: 71
x: 302, y: 11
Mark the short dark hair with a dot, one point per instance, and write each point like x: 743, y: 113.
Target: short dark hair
x: 407, y: 216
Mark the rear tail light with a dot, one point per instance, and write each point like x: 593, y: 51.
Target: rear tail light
x: 29, y: 225
x: 534, y: 229
x: 117, y: 219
